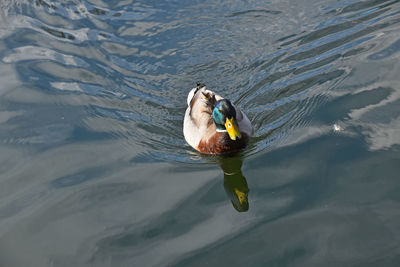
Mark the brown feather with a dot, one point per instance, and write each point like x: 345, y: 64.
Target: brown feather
x: 209, y: 99
x: 220, y: 143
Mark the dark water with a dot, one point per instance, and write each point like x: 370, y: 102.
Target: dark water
x: 94, y: 168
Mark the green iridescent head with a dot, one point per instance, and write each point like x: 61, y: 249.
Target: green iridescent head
x: 224, y: 116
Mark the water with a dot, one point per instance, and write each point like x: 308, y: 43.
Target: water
x: 94, y: 168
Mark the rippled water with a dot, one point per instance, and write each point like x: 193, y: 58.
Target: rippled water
x: 94, y: 167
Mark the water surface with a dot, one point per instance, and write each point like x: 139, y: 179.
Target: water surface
x: 94, y: 167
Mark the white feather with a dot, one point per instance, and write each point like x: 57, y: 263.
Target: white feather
x: 190, y: 96
x: 192, y: 134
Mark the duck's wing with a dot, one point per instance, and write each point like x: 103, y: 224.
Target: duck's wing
x: 198, y: 123
x: 201, y: 103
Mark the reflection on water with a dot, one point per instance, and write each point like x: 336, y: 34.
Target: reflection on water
x: 235, y: 183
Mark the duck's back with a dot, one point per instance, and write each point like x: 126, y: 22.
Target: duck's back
x: 198, y: 121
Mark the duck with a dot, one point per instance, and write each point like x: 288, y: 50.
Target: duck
x: 213, y: 125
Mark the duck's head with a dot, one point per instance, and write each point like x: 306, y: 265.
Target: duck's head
x: 224, y: 116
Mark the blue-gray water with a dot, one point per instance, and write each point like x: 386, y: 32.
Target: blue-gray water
x: 94, y: 169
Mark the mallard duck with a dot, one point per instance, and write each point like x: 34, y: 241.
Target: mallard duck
x: 213, y: 125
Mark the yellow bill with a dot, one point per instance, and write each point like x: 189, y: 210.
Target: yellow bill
x: 241, y: 196
x: 232, y: 128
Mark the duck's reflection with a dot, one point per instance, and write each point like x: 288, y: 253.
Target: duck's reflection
x: 234, y: 182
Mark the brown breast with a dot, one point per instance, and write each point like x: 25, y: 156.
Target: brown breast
x: 220, y: 143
